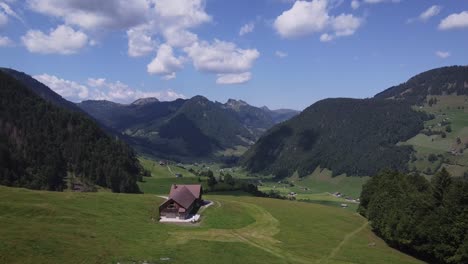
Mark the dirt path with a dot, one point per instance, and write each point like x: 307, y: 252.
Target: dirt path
x: 340, y: 245
x: 170, y: 170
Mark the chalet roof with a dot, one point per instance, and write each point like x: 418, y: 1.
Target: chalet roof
x: 183, y: 196
x: 195, y: 189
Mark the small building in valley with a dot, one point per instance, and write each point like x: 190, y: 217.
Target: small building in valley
x: 182, y: 201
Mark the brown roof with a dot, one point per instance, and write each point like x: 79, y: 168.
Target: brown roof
x: 195, y: 189
x: 182, y: 196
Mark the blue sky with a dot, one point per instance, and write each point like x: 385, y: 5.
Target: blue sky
x: 278, y: 53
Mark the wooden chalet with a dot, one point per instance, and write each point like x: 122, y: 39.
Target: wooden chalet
x: 182, y: 200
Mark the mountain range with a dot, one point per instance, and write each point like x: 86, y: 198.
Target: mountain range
x: 186, y: 129
x: 347, y: 136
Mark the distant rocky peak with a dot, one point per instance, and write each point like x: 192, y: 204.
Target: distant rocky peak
x: 265, y: 108
x: 143, y: 101
x: 235, y: 104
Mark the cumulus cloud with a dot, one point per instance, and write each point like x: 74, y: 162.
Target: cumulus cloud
x: 94, y: 15
x: 179, y: 38
x: 101, y: 89
x: 221, y: 57
x: 140, y: 41
x: 5, y: 41
x: 281, y: 54
x: 146, y: 23
x: 98, y: 82
x: 443, y: 54
x: 233, y: 78
x: 455, y: 21
x: 165, y: 63
x: 247, y: 28
x: 355, y: 4
x: 68, y: 89
x: 62, y: 40
x: 305, y: 18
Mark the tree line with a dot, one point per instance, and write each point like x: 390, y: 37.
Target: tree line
x: 428, y: 219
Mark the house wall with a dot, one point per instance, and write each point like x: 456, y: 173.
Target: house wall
x: 174, y: 212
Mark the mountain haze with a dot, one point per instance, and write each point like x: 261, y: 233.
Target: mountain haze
x: 186, y: 128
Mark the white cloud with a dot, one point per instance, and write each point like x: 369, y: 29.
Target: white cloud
x: 99, y: 82
x: 5, y: 42
x: 171, y: 20
x: 62, y: 40
x: 454, y: 21
x: 355, y: 4
x: 247, y: 28
x: 140, y: 41
x: 234, y: 78
x: 8, y: 11
x: 68, y: 89
x: 346, y: 24
x: 3, y: 19
x: 443, y: 54
x: 326, y: 37
x: 305, y: 18
x: 302, y: 19
x: 94, y: 15
x: 430, y: 12
x: 165, y: 63
x: 122, y: 93
x: 221, y: 57
x: 179, y: 37
x: 101, y: 89
x: 182, y: 13
x: 281, y: 54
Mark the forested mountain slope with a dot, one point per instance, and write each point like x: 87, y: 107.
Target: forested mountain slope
x: 440, y: 81
x: 351, y: 136
x: 360, y: 136
x: 42, y: 145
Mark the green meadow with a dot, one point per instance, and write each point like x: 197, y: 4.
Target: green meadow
x: 103, y: 227
x: 452, y: 109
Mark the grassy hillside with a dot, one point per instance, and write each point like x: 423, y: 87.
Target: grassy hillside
x: 51, y: 227
x: 449, y: 111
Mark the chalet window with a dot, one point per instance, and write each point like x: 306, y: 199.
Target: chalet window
x: 171, y: 206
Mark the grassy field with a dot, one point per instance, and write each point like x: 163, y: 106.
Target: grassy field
x: 315, y: 188
x: 318, y: 187
x: 162, y: 177
x: 452, y: 109
x: 52, y: 227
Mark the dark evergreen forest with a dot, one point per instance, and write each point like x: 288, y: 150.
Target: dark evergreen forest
x: 42, y: 144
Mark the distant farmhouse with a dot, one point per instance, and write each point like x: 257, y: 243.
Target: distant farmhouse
x: 182, y: 200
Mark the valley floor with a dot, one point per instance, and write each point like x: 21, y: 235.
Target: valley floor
x: 52, y: 227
